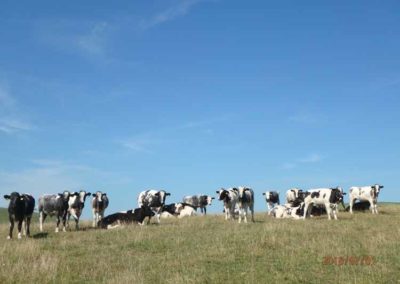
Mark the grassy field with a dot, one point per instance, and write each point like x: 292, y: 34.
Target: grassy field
x: 212, y: 250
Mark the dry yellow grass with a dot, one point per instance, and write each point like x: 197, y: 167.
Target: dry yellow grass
x: 210, y: 250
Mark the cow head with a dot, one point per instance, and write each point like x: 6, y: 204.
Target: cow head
x: 99, y: 196
x: 223, y: 194
x: 337, y: 195
x: 242, y: 193
x: 15, y: 199
x: 206, y: 200
x: 65, y: 195
x: 162, y: 195
x: 377, y: 188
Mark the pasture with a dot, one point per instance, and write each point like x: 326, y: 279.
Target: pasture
x: 212, y: 250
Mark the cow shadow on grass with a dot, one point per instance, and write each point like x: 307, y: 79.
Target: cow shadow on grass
x: 40, y: 236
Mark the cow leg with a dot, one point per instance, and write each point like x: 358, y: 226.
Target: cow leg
x: 305, y: 210
x: 94, y: 223
x: 42, y: 217
x: 11, y: 228
x: 58, y: 223
x: 20, y: 228
x: 227, y: 210
x: 77, y: 224
x: 252, y: 213
x: 351, y: 203
x: 245, y: 214
x: 205, y: 210
x: 28, y: 225
x: 328, y: 210
x: 64, y: 219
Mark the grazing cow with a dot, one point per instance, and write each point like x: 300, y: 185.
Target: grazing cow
x: 56, y: 204
x: 245, y: 202
x: 199, y: 201
x: 230, y: 198
x: 365, y: 193
x: 20, y: 209
x: 99, y: 205
x: 272, y: 198
x: 329, y: 197
x: 155, y: 199
x: 292, y: 194
x: 359, y: 206
x: 76, y: 204
x: 129, y: 217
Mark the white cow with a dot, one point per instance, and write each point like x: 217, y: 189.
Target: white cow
x: 329, y: 197
x: 365, y: 193
x: 245, y: 202
x: 230, y: 197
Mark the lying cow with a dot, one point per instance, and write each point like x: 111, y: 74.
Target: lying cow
x: 283, y: 211
x: 179, y: 210
x: 272, y: 198
x: 155, y: 199
x: 99, y: 205
x: 329, y: 197
x: 365, y: 193
x: 359, y: 206
x: 20, y: 209
x: 229, y: 197
x: 199, y: 201
x: 76, y: 204
x: 125, y: 218
x: 57, y: 205
x: 245, y: 202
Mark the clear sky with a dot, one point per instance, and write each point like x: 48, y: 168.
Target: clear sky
x: 190, y: 96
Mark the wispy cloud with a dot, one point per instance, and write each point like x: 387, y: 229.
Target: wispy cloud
x: 82, y: 37
x: 181, y: 9
x: 11, y: 120
x: 145, y: 142
x: 310, y: 159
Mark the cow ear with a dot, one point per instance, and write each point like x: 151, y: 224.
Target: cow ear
x: 87, y: 194
x: 263, y: 193
x: 104, y: 194
x: 7, y: 196
x: 93, y: 195
x: 212, y: 197
x: 217, y: 191
x: 344, y: 193
x: 167, y: 194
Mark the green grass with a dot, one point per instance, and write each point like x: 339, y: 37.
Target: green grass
x: 210, y: 250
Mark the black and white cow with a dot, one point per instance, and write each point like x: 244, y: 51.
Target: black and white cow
x: 229, y: 197
x: 99, y: 205
x: 129, y: 217
x: 272, y: 198
x: 198, y: 201
x: 155, y: 199
x: 245, y: 202
x: 285, y: 211
x: 365, y: 193
x: 292, y: 194
x: 329, y: 197
x: 76, y: 204
x: 56, y: 204
x: 20, y: 209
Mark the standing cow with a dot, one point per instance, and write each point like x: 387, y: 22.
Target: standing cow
x: 99, y: 205
x: 76, y: 204
x: 272, y: 198
x: 230, y: 197
x: 155, y: 199
x: 245, y: 202
x: 365, y: 193
x: 329, y: 197
x: 57, y: 205
x: 20, y: 209
x: 198, y: 201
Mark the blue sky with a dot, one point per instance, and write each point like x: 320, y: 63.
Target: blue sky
x: 190, y: 96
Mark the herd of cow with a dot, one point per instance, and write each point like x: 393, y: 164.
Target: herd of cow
x: 236, y: 201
